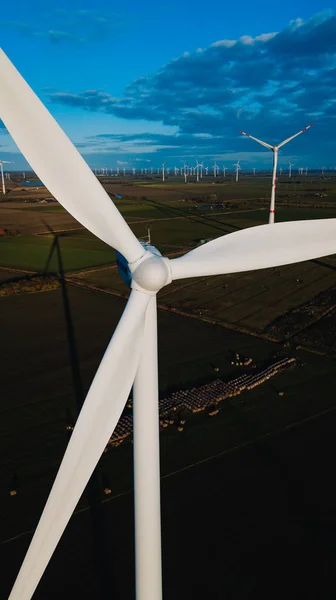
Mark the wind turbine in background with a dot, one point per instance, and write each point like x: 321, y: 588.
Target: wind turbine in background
x: 215, y: 167
x: 275, y: 150
x: 224, y: 170
x: 163, y: 171
x: 290, y: 165
x: 238, y: 168
x: 198, y: 167
x: 131, y: 356
x: 4, y: 162
x: 185, y: 171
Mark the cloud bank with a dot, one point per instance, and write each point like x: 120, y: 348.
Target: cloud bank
x: 270, y: 85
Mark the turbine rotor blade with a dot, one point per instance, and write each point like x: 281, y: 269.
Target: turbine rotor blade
x: 58, y: 163
x: 256, y: 140
x: 259, y: 248
x: 98, y: 418
x: 295, y: 135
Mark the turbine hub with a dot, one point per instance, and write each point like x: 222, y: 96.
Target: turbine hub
x: 150, y: 273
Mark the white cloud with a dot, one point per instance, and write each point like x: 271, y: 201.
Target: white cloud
x: 225, y: 43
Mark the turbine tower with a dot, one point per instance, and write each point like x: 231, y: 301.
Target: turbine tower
x: 131, y: 356
x: 215, y: 169
x: 163, y: 171
x: 185, y: 170
x: 224, y: 170
x: 290, y: 168
x: 3, y: 162
x: 275, y: 150
x: 198, y: 167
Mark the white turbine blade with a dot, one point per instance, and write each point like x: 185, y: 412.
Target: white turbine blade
x: 259, y: 248
x: 59, y: 165
x: 99, y: 416
x: 294, y: 136
x: 256, y: 140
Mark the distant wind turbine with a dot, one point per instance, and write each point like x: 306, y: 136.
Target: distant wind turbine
x: 275, y: 150
x: 163, y: 171
x: 290, y: 169
x: 198, y: 166
x: 2, y: 162
x: 238, y: 168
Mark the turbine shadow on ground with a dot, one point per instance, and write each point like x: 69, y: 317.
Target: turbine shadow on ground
x: 101, y: 550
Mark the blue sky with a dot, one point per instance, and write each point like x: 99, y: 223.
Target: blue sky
x: 138, y: 83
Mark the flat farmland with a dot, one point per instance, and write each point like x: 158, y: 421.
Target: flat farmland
x: 31, y: 252
x: 37, y: 387
x: 251, y: 299
x: 230, y: 496
x: 37, y: 393
x: 37, y: 390
x: 31, y: 218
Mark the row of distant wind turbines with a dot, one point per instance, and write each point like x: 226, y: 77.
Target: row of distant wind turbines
x: 188, y: 171
x: 131, y: 356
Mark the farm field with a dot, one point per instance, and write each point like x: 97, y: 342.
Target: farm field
x: 38, y: 390
x: 201, y: 323
x: 37, y: 395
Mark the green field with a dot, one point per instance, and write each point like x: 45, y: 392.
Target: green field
x: 80, y: 250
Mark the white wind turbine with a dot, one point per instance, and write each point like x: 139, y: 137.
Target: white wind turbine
x: 198, y: 167
x: 238, y: 168
x: 163, y: 171
x: 185, y: 170
x: 224, y: 170
x: 131, y: 356
x: 3, y: 162
x: 290, y: 165
x: 215, y: 167
x: 275, y: 150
